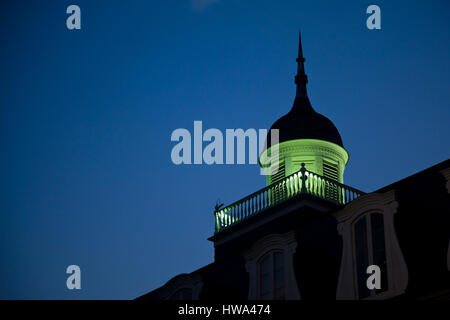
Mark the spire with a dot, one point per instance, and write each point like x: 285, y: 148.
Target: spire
x: 300, y: 79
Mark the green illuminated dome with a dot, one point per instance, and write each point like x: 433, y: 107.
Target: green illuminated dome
x: 304, y: 136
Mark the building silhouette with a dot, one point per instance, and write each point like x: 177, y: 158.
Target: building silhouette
x: 307, y: 235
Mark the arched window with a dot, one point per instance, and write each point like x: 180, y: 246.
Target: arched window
x: 271, y: 276
x: 269, y: 263
x: 369, y: 238
x: 369, y: 249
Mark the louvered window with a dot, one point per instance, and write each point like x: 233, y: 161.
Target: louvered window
x: 279, y: 175
x: 277, y: 192
x: 330, y: 171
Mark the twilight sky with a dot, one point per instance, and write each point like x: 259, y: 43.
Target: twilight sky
x: 86, y: 118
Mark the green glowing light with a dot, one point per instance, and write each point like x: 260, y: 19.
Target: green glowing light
x: 321, y: 157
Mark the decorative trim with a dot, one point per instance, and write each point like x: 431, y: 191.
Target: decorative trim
x: 183, y: 281
x: 397, y: 271
x: 285, y: 243
x: 311, y: 145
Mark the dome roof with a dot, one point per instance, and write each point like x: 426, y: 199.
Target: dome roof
x: 302, y: 122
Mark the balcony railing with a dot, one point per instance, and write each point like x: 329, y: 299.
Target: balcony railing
x: 301, y: 182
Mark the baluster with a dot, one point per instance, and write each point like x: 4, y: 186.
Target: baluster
x: 261, y: 198
x: 216, y: 222
x: 273, y: 195
x: 337, y: 193
x: 281, y: 191
x: 258, y: 196
x: 314, y: 184
x: 319, y: 187
x: 314, y: 190
x: 261, y: 201
x: 246, y: 208
x: 266, y: 198
x: 322, y: 187
x: 294, y: 191
x: 253, y: 205
x: 222, y: 219
x: 295, y: 179
x: 318, y: 182
x: 288, y: 187
x: 291, y: 185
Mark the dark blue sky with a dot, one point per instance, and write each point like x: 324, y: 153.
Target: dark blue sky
x: 86, y: 118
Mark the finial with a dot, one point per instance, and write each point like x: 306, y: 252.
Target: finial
x: 300, y: 79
